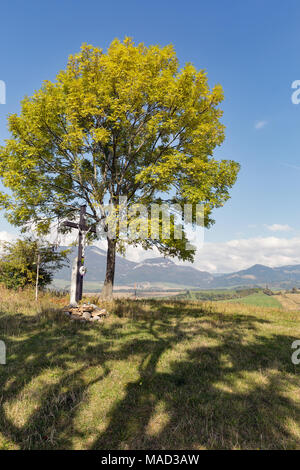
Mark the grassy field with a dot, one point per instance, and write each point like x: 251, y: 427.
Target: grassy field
x: 289, y: 301
x: 154, y: 375
x: 218, y: 294
x: 260, y: 300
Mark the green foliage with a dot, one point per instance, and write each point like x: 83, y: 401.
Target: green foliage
x: 218, y: 294
x: 18, y: 263
x: 268, y: 291
x: 128, y: 122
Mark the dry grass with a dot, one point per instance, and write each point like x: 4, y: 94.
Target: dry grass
x: 155, y: 375
x: 289, y: 301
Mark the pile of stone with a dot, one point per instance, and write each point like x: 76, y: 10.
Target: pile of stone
x: 85, y: 312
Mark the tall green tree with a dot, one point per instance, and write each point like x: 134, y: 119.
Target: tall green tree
x: 22, y: 260
x: 128, y: 122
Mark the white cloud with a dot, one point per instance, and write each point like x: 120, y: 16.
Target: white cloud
x: 238, y: 254
x: 133, y: 253
x: 279, y: 228
x: 224, y: 257
x: 7, y: 237
x: 260, y: 124
x: 294, y: 167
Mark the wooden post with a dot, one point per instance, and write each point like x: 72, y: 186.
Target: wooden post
x: 2, y: 353
x: 37, y: 275
x: 79, y: 283
x: 73, y: 301
x: 82, y: 227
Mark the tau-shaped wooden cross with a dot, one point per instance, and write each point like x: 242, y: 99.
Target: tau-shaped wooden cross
x: 82, y: 229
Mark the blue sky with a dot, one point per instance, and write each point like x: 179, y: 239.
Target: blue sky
x: 250, y: 47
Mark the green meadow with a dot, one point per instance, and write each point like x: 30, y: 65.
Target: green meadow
x: 155, y: 374
x: 260, y: 300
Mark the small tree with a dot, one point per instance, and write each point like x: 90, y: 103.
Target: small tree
x: 126, y: 123
x: 18, y: 263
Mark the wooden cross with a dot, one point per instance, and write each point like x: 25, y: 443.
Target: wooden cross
x: 82, y: 227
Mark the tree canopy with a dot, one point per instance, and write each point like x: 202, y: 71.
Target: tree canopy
x: 128, y: 122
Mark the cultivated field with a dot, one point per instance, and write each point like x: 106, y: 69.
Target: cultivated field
x: 260, y: 300
x: 289, y: 301
x: 154, y: 375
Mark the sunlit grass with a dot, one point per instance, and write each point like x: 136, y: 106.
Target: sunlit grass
x: 153, y: 375
x: 259, y: 300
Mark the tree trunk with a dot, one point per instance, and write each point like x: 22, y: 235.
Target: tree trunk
x: 110, y: 269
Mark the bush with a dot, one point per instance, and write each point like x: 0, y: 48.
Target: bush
x: 268, y: 292
x: 18, y: 263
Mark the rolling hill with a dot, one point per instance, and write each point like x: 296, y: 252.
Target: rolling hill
x: 153, y: 270
x: 165, y: 271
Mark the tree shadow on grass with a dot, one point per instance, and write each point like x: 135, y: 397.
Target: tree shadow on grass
x: 58, y: 349
x: 231, y: 395
x: 219, y: 389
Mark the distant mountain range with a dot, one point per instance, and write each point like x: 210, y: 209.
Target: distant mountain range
x: 163, y: 271
x: 260, y: 275
x: 151, y: 271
